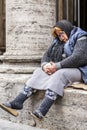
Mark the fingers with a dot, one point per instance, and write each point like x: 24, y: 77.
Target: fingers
x: 49, y: 68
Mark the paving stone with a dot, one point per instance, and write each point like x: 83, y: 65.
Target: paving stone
x: 7, y: 125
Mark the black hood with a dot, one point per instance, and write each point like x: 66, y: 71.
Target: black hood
x: 65, y: 25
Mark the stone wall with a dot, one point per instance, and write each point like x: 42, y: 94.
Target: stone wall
x: 28, y: 25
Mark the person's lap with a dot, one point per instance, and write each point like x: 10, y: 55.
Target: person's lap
x: 55, y: 82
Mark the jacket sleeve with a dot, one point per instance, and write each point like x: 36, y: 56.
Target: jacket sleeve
x: 46, y: 57
x: 78, y: 57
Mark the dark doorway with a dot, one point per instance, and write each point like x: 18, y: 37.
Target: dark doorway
x: 72, y: 10
x: 79, y: 13
x: 2, y: 27
x: 83, y: 14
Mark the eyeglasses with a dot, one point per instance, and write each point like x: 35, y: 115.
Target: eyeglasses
x: 61, y: 34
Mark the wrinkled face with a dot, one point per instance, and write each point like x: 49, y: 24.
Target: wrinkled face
x: 62, y: 35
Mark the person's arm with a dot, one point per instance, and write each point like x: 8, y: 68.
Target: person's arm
x: 78, y: 57
x: 46, y: 57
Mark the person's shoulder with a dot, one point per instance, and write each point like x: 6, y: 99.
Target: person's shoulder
x: 82, y: 38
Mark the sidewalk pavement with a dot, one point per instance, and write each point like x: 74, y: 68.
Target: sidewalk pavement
x: 7, y: 125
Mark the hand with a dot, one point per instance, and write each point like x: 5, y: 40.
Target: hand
x: 46, y: 68
x: 50, y: 68
x: 53, y: 68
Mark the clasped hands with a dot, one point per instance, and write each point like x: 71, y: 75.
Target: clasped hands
x: 49, y: 68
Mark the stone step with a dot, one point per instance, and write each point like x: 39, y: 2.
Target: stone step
x: 17, y: 68
x: 21, y: 59
x: 7, y: 125
x: 67, y: 113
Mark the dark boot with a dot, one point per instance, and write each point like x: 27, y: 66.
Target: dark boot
x: 17, y: 103
x: 44, y: 108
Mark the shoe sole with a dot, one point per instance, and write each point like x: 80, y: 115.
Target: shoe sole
x: 35, y: 116
x: 9, y: 110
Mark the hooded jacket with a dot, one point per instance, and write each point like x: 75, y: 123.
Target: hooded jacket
x: 75, y: 49
x: 65, y: 25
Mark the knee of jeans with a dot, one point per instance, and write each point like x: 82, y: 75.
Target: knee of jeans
x: 50, y: 94
x: 27, y: 88
x: 63, y: 73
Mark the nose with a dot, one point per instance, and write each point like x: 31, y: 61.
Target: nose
x: 62, y: 37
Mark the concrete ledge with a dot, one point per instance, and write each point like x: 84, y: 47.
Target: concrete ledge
x: 21, y: 59
x: 7, y: 125
x: 67, y: 113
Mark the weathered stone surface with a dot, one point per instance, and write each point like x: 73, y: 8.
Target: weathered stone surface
x: 67, y: 113
x: 28, y: 26
x: 7, y: 125
x: 14, y: 68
